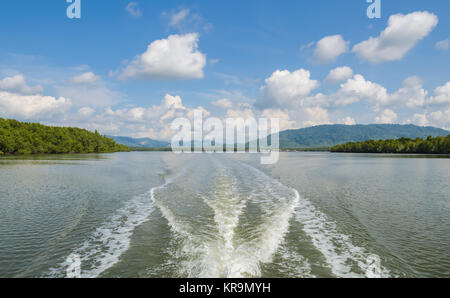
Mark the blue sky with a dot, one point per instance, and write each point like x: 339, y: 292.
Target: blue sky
x: 243, y: 58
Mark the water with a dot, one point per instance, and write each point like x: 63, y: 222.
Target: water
x: 150, y: 214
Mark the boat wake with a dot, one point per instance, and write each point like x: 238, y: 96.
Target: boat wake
x: 250, y: 215
x: 228, y: 219
x: 104, y: 247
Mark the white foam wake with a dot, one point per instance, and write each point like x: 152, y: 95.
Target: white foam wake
x: 337, y: 248
x: 235, y: 245
x: 105, y: 246
x: 228, y: 206
x: 251, y: 254
x: 277, y: 203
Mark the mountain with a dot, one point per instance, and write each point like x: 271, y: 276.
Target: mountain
x: 140, y: 143
x: 332, y: 135
x: 322, y: 136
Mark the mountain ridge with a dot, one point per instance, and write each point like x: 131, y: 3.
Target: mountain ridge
x: 139, y: 142
x: 321, y: 136
x: 337, y: 134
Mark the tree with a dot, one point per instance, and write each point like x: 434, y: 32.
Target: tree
x: 33, y: 138
x: 431, y: 145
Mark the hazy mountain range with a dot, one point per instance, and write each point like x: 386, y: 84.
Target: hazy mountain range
x: 140, y: 142
x: 323, y: 135
x: 331, y: 135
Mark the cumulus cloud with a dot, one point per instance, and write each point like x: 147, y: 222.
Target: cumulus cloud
x: 442, y: 45
x: 401, y: 35
x: 85, y: 78
x: 17, y: 84
x: 419, y: 119
x: 411, y: 94
x: 176, y: 57
x: 316, y: 116
x: 282, y: 116
x: 31, y: 106
x: 386, y: 117
x: 283, y: 88
x: 339, y: 74
x: 441, y: 95
x: 329, y: 48
x: 153, y: 122
x: 348, y: 121
x: 133, y: 9
x: 358, y: 88
x: 441, y: 118
x: 292, y: 93
x: 240, y: 113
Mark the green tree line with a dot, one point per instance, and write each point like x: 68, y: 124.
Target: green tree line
x: 34, y: 138
x: 431, y: 145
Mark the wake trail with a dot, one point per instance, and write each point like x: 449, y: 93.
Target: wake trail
x: 104, y: 247
x: 235, y: 246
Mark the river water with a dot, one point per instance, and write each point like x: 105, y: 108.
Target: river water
x: 158, y: 214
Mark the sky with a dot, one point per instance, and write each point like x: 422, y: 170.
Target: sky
x: 131, y: 67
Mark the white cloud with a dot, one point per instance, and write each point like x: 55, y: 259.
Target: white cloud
x: 348, y: 121
x: 339, y: 74
x: 133, y: 9
x: 85, y: 78
x: 441, y: 95
x: 419, y: 119
x: 387, y: 117
x: 282, y: 116
x: 358, y: 88
x: 32, y: 106
x: 223, y: 103
x: 153, y: 122
x: 442, y: 45
x: 441, y: 118
x: 240, y: 113
x: 401, y: 35
x: 176, y: 57
x: 283, y: 88
x: 316, y: 116
x: 18, y: 84
x: 411, y: 94
x: 329, y: 48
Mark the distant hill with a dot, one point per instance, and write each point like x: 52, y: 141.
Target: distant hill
x: 140, y: 143
x: 332, y: 135
x: 323, y: 136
